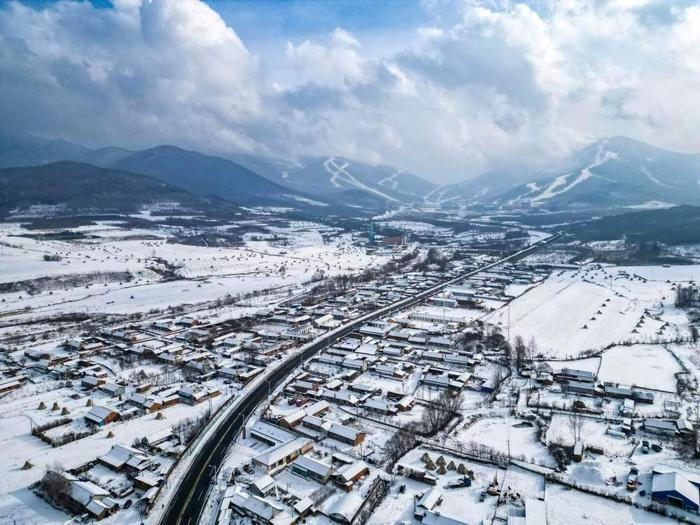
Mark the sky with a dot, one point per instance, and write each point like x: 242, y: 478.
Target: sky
x: 444, y: 89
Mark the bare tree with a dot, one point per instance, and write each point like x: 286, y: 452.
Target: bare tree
x: 531, y: 350
x: 439, y: 412
x: 686, y: 296
x: 576, y: 420
x: 400, y: 443
x: 56, y: 485
x: 498, y: 378
x: 520, y: 350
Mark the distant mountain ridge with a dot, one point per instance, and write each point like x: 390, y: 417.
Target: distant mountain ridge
x: 207, y: 175
x: 199, y: 174
x: 68, y: 186
x: 329, y: 177
x: 612, y: 173
x: 616, y: 172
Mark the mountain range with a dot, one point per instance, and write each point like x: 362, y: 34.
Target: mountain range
x: 612, y: 173
x: 68, y: 186
x: 615, y: 172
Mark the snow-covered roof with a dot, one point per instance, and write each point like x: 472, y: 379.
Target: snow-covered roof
x: 313, y: 465
x: 120, y: 455
x: 430, y: 498
x: 675, y: 482
x: 98, y: 413
x: 317, y: 408
x: 264, y: 483
x: 303, y: 505
x: 352, y: 470
x: 343, y: 431
x: 347, y: 506
x: 253, y: 505
x: 294, y: 417
x: 84, y: 491
x: 434, y: 518
x: 279, y: 452
x: 270, y: 432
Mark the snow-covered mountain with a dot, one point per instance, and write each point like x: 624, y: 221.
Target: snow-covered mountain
x: 614, y: 172
x: 330, y: 177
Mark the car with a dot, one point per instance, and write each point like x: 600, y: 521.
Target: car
x: 482, y: 496
x: 127, y: 504
x: 645, y: 447
x: 656, y: 447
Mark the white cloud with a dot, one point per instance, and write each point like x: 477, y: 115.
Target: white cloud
x: 139, y: 73
x: 491, y: 82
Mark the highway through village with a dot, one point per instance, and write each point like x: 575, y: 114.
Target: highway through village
x: 191, y: 493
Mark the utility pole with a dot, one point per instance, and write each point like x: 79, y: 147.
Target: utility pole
x: 508, y: 323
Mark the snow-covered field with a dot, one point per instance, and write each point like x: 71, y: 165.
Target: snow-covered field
x: 586, y: 310
x: 507, y: 434
x: 286, y: 257
x: 567, y: 507
x: 654, y: 367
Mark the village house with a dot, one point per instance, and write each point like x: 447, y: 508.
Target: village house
x: 279, y: 456
x: 311, y: 468
x: 428, y: 501
x: 345, y: 434
x: 101, y: 416
x: 86, y: 496
x: 673, y: 488
x: 349, y: 474
x: 121, y: 457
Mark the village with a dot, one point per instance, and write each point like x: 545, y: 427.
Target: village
x: 493, y: 399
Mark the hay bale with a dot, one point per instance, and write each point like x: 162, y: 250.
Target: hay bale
x: 110, y: 434
x: 55, y: 406
x: 442, y: 470
x: 451, y: 466
x: 461, y: 469
x: 160, y: 416
x: 27, y: 465
x: 441, y: 461
x: 42, y: 406
x: 89, y: 403
x: 65, y: 411
x: 425, y: 457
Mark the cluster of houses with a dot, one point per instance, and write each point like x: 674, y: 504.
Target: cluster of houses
x: 297, y: 448
x: 495, y: 286
x: 380, y: 370
x: 125, y: 475
x: 627, y: 420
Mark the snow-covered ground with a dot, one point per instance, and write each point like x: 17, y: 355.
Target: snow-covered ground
x: 507, y: 435
x: 285, y: 257
x: 566, y: 507
x: 586, y: 310
x: 654, y: 367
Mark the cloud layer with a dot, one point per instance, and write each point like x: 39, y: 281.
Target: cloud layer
x: 480, y: 86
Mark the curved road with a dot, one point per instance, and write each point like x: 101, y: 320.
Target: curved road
x: 190, y: 496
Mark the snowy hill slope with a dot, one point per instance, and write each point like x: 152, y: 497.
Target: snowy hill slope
x: 614, y: 173
x: 328, y: 176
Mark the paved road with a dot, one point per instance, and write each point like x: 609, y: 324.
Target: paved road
x: 190, y: 497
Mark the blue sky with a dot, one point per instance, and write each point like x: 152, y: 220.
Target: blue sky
x: 267, y: 25
x: 263, y: 20
x: 445, y: 89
